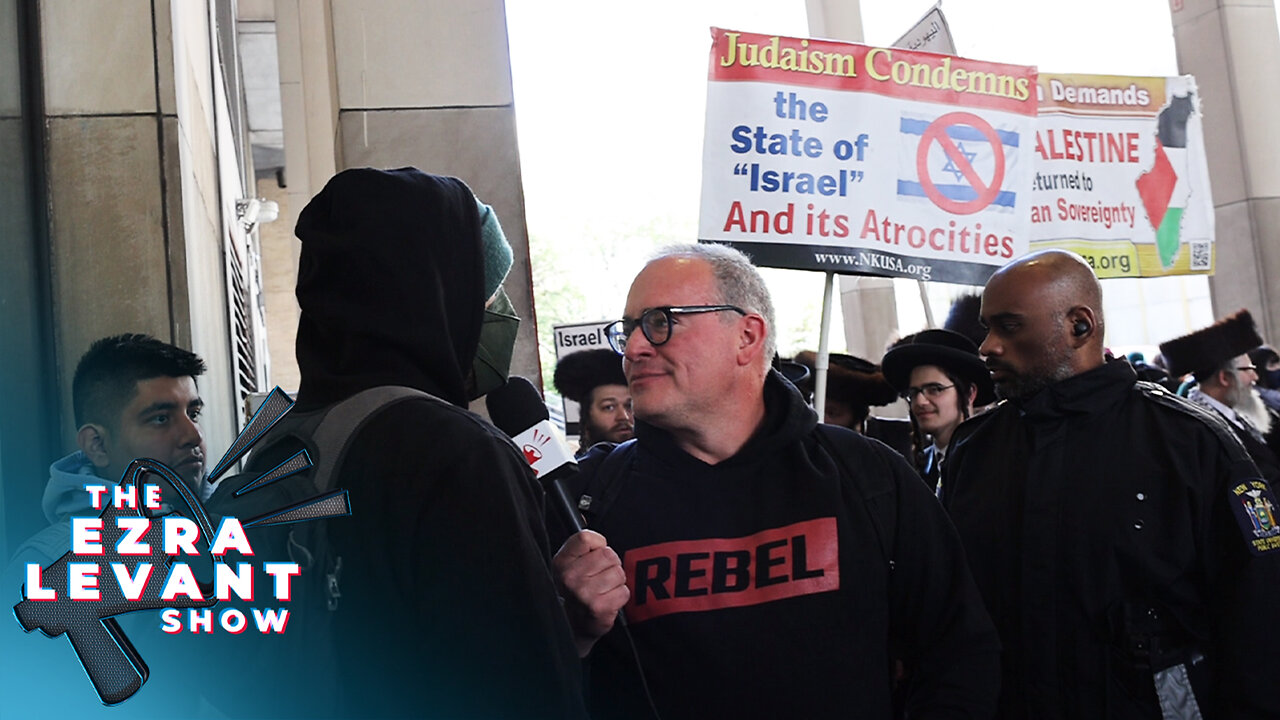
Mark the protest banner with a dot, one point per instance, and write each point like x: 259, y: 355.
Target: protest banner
x: 931, y: 33
x: 1121, y: 176
x: 822, y: 155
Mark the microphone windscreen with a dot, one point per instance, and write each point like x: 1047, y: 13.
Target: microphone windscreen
x: 517, y: 410
x: 516, y: 406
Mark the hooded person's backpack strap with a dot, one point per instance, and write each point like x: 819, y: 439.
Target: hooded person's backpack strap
x: 342, y: 423
x: 328, y: 435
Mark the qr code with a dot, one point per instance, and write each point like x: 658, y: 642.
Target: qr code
x: 1201, y: 255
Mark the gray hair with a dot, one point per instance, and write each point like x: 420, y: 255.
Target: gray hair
x: 737, y: 280
x: 1228, y: 366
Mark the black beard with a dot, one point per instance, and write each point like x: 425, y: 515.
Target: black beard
x: 1021, y: 387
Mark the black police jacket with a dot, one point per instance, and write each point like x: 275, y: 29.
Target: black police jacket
x: 1106, y: 525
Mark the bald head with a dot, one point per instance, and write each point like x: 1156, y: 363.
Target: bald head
x: 1060, y: 281
x: 1044, y: 318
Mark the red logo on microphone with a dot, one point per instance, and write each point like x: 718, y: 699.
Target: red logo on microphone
x: 532, y: 455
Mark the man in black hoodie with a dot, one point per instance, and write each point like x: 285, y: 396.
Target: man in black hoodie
x: 773, y: 566
x: 447, y: 606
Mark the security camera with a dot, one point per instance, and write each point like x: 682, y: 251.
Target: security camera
x: 253, y: 211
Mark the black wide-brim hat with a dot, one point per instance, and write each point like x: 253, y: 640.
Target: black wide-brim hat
x: 796, y: 373
x: 948, y: 350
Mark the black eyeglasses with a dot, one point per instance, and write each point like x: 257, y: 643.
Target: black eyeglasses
x: 656, y: 324
x: 930, y: 390
x: 1251, y: 368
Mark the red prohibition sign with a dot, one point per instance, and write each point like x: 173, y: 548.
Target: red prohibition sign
x: 937, y: 130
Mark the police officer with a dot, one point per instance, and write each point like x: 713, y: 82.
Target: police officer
x: 1122, y: 539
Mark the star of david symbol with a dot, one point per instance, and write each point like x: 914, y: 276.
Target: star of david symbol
x: 951, y: 166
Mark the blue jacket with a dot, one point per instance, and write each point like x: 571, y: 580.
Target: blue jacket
x: 64, y: 496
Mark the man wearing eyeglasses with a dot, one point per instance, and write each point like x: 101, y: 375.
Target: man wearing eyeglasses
x: 942, y: 378
x: 1218, y: 356
x: 1120, y: 535
x: 766, y: 565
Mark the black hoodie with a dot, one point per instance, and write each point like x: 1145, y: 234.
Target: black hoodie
x: 760, y: 586
x: 448, y: 607
x: 390, y: 282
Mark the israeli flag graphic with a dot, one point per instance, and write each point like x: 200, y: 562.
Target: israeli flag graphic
x: 957, y: 161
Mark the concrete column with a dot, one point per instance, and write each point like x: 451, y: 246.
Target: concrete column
x: 138, y: 174
x: 202, y: 183
x: 308, y: 99
x: 26, y: 378
x: 1232, y: 48
x: 105, y: 112
x: 136, y: 193
x: 279, y: 277
x: 428, y: 83
x: 409, y: 82
x: 835, y: 19
x: 309, y: 112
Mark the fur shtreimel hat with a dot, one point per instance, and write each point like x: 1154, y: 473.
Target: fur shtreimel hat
x: 965, y: 318
x: 1205, y: 350
x: 578, y: 373
x: 850, y: 379
x: 946, y: 349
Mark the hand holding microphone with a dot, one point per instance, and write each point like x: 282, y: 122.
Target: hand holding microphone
x: 590, y: 577
x: 588, y: 572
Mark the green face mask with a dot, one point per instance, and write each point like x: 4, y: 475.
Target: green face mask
x: 492, y: 363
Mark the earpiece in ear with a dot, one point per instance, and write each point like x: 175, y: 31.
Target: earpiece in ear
x: 1081, y: 328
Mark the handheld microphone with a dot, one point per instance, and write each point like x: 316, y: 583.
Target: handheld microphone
x: 517, y: 410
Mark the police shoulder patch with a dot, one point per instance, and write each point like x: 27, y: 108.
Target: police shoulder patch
x: 1255, y: 506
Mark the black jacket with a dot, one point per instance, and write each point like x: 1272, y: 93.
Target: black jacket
x: 448, y: 608
x: 1100, y: 520
x: 1260, y: 450
x: 761, y: 585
